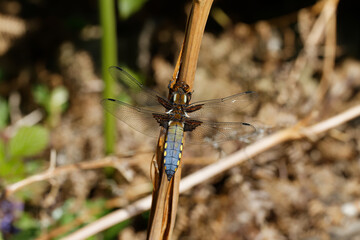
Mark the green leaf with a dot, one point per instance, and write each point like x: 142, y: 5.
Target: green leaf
x: 12, y: 170
x: 58, y: 97
x: 129, y: 7
x: 2, y: 151
x: 26, y: 221
x: 41, y: 94
x: 4, y: 113
x: 30, y: 227
x: 29, y: 141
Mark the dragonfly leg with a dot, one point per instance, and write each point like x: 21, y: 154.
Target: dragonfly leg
x: 155, y: 164
x: 171, y: 82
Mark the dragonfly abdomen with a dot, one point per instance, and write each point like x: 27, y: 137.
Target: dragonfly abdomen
x: 173, y: 148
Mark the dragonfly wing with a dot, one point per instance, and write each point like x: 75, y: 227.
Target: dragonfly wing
x: 138, y: 91
x: 211, y: 132
x: 140, y: 119
x: 238, y: 102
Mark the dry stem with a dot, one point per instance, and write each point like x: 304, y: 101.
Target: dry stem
x: 109, y: 161
x: 166, y: 194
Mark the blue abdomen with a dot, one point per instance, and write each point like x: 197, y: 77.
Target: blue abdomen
x: 173, y: 148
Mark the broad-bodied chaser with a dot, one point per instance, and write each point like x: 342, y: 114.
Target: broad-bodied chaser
x: 177, y: 115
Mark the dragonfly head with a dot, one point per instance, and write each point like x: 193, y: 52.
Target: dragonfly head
x: 181, y: 98
x: 180, y: 93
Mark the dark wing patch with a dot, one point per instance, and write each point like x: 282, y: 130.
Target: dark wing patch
x: 162, y: 119
x: 191, y: 125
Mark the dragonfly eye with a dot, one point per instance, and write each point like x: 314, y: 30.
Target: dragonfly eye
x: 175, y: 97
x: 184, y: 99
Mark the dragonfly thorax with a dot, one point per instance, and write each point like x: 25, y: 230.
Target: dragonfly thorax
x: 177, y: 113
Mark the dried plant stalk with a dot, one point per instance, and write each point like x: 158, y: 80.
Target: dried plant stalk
x: 330, y: 54
x: 166, y: 194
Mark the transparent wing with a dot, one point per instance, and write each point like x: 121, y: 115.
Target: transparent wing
x: 211, y: 132
x: 238, y: 102
x: 140, y: 119
x: 137, y: 91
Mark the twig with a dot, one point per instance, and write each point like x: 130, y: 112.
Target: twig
x: 313, y: 40
x: 109, y: 161
x: 29, y: 120
x: 319, y: 27
x: 292, y: 133
x: 193, y: 36
x: 335, y: 121
x: 111, y: 219
x: 329, y: 56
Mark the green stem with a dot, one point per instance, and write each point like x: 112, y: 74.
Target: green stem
x: 109, y: 58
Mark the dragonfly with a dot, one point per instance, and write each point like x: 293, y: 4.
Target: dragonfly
x: 176, y: 115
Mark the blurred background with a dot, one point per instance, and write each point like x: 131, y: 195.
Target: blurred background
x: 51, y: 83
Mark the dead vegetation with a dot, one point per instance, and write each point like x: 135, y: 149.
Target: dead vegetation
x: 304, y: 187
